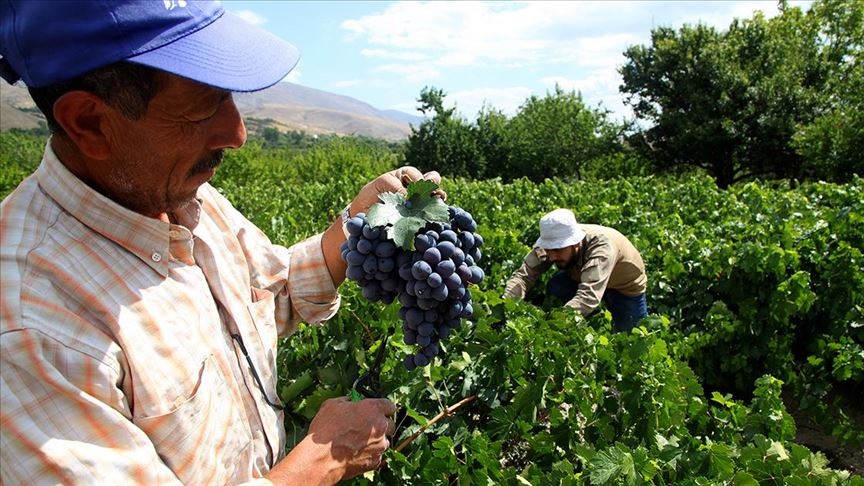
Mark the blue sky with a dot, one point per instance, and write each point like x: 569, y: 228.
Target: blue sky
x: 500, y: 53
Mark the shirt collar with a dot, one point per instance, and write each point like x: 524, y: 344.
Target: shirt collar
x: 145, y: 237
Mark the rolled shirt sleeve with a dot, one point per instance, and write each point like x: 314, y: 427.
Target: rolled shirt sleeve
x: 524, y: 278
x: 593, y: 280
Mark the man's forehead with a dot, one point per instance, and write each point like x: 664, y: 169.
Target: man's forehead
x: 179, y: 88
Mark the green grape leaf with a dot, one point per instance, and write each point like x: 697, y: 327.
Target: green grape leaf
x: 388, y: 211
x: 403, y: 217
x: 606, y: 466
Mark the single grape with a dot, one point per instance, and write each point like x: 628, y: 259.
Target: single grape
x: 370, y: 264
x: 432, y: 256
x: 372, y: 291
x: 414, y: 317
x: 422, y: 290
x: 422, y: 243
x: 421, y: 359
x: 364, y: 246
x: 431, y: 350
x: 355, y: 258
x: 446, y: 248
x: 371, y: 233
x: 385, y: 249
x: 476, y: 274
x: 454, y: 309
x: 386, y: 264
x: 407, y: 301
x: 405, y: 271
x: 354, y: 226
x: 440, y: 293
x: 458, y: 257
x: 421, y: 270
x: 453, y: 281
x: 434, y: 280
x: 447, y: 235
x: 427, y: 303
x: 443, y: 332
x: 466, y: 240
x: 425, y: 329
x: 468, y: 310
x: 355, y: 273
x: 445, y: 268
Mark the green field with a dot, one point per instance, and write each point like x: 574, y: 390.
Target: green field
x: 755, y: 332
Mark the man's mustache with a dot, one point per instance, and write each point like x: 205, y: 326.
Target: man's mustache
x: 209, y: 163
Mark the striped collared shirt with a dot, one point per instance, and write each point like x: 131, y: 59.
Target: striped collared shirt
x: 120, y: 357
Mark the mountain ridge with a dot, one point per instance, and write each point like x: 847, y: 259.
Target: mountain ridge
x: 284, y: 106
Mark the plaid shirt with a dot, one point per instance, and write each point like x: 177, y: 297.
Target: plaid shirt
x: 118, y: 363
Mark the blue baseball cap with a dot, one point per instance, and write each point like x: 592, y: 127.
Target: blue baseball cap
x: 45, y: 42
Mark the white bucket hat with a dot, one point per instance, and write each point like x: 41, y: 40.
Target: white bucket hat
x: 558, y: 229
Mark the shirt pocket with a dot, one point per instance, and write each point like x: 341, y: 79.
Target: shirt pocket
x: 262, y: 312
x: 201, y: 439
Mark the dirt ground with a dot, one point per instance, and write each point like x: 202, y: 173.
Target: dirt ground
x: 810, y: 435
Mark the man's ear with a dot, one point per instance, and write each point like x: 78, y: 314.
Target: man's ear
x: 82, y: 117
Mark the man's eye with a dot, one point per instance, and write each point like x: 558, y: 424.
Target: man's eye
x: 201, y: 117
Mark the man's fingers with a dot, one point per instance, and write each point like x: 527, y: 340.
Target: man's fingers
x: 409, y: 174
x: 391, y: 427
x: 433, y: 176
x: 384, y: 406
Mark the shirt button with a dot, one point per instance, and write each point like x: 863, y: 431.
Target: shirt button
x: 156, y: 257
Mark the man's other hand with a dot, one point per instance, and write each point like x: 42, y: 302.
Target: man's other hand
x: 394, y: 181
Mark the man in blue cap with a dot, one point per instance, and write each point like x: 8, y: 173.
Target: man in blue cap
x: 140, y: 310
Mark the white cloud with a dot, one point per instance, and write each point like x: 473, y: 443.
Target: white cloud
x: 599, y: 88
x: 350, y: 83
x: 579, y: 44
x: 463, y: 33
x: 251, y: 17
x: 585, y: 33
x: 720, y: 14
x: 410, y: 72
x: 388, y: 54
x: 293, y: 76
x: 469, y: 102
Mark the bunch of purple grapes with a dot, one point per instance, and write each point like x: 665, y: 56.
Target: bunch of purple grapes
x: 431, y: 282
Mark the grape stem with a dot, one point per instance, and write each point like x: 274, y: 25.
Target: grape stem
x: 444, y: 413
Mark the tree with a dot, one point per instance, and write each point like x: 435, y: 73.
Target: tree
x: 490, y: 132
x: 445, y: 142
x: 555, y: 136
x: 727, y: 102
x: 833, y: 143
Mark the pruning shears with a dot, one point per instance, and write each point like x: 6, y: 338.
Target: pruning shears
x: 369, y: 385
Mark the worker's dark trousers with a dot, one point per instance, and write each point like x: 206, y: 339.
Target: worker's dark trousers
x: 626, y: 309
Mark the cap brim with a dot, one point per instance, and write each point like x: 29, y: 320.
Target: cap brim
x: 229, y: 53
x: 555, y: 244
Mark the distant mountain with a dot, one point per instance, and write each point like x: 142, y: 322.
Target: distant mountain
x: 17, y: 110
x: 285, y: 106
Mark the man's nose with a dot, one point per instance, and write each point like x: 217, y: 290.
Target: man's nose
x: 229, y: 131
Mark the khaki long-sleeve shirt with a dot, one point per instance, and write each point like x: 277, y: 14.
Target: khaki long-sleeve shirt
x: 118, y: 364
x: 607, y: 260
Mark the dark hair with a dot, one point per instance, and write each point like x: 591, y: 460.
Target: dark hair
x: 124, y: 86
